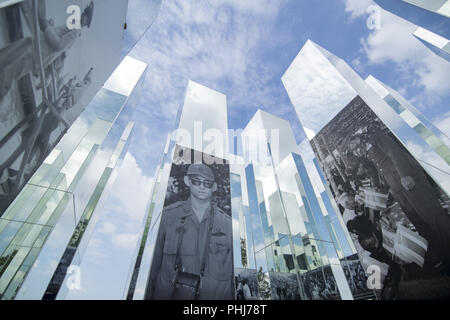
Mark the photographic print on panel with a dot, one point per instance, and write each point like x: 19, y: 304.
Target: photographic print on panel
x: 193, y: 255
x: 319, y: 284
x: 284, y: 286
x: 396, y: 214
x: 246, y: 284
x: 356, y: 278
x: 52, y: 63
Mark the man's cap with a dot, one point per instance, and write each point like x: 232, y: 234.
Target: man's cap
x: 202, y: 170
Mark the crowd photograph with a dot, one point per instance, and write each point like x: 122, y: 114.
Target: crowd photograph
x: 396, y: 214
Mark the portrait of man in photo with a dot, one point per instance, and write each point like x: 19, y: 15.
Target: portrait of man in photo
x: 193, y: 256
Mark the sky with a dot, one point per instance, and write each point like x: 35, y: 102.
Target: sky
x: 241, y: 49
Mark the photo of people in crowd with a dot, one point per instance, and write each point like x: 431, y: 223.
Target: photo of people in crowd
x: 246, y: 284
x: 193, y: 255
x: 319, y: 284
x: 284, y: 286
x: 396, y: 214
x: 356, y: 278
x: 48, y: 74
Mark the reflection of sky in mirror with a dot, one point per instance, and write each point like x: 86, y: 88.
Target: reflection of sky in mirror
x: 241, y: 49
x: 342, y: 73
x: 204, y: 112
x: 317, y: 90
x: 271, y: 129
x: 424, y: 13
x: 140, y: 16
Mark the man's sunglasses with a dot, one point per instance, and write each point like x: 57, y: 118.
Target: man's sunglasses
x: 198, y: 182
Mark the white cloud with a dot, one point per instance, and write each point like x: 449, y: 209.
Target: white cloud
x: 210, y: 42
x: 125, y: 241
x: 357, y: 8
x: 107, y: 228
x: 126, y: 75
x: 131, y: 191
x: 394, y: 42
x: 443, y: 123
x: 316, y: 89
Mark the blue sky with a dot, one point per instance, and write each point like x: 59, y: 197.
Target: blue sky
x: 242, y: 48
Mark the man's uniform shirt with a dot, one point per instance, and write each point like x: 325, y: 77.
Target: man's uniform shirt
x: 218, y: 276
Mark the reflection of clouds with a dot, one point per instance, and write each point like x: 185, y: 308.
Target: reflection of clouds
x: 73, y: 136
x: 443, y: 123
x: 357, y: 8
x: 95, y: 253
x: 125, y: 77
x: 236, y: 229
x: 316, y: 89
x: 308, y: 156
x: 410, y: 58
x: 116, y: 233
x: 140, y: 14
x: 236, y: 203
x: 287, y: 171
x: 129, y: 194
x: 107, y: 228
x: 265, y: 174
x: 125, y: 241
x: 266, y: 128
x: 258, y: 245
x: 427, y: 156
x: 212, y: 107
x: 186, y: 42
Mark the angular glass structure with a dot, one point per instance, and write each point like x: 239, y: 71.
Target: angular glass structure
x: 51, y: 67
x: 438, y: 6
x: 432, y: 17
x: 386, y: 167
x: 439, y: 45
x: 137, y: 25
x: 289, y: 242
x: 435, y: 138
x: 190, y: 132
x: 51, y: 218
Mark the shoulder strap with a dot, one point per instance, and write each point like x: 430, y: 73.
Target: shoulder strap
x: 208, y: 239
x: 205, y: 251
x: 180, y: 231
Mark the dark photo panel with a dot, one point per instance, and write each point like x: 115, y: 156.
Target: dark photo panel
x: 356, y: 278
x: 246, y: 284
x: 193, y: 255
x: 284, y: 286
x: 51, y: 65
x: 319, y: 284
x: 397, y: 216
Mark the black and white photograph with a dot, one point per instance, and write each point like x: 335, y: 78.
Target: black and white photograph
x: 284, y: 286
x: 246, y: 284
x: 319, y: 284
x: 396, y: 214
x: 356, y: 278
x: 52, y: 63
x: 193, y: 255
